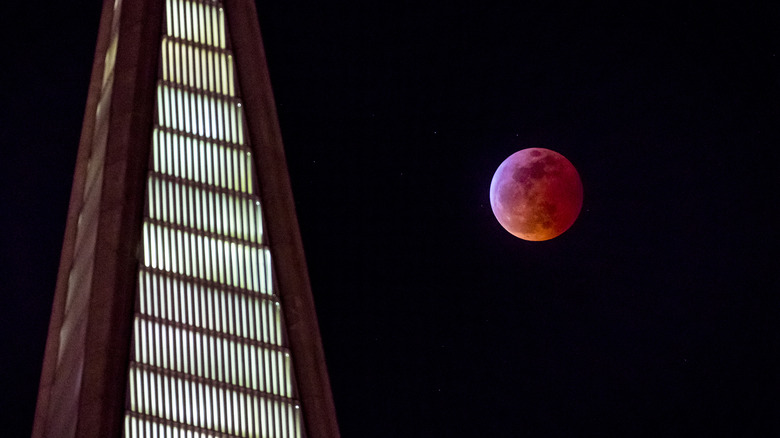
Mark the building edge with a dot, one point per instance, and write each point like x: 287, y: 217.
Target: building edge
x: 69, y: 239
x: 114, y: 283
x: 111, y: 303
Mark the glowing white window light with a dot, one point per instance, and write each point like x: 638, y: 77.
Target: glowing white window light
x: 172, y: 12
x: 164, y: 59
x: 190, y: 66
x: 277, y: 414
x: 221, y: 27
x: 177, y: 63
x: 223, y: 75
x: 231, y: 90
x: 278, y: 320
x: 162, y: 104
x: 230, y: 346
x: 191, y: 29
x: 216, y: 120
x: 221, y: 405
x: 178, y: 120
x: 182, y: 401
x: 240, y: 118
x: 201, y: 28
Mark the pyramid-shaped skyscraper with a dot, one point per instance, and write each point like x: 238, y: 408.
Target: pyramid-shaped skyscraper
x: 183, y: 306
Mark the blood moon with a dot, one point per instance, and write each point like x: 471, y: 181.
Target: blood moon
x: 536, y: 194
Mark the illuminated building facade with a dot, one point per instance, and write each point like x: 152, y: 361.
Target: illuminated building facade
x: 182, y: 307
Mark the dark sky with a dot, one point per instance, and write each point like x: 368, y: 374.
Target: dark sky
x: 655, y: 314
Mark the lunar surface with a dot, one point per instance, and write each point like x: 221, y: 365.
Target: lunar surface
x: 536, y: 194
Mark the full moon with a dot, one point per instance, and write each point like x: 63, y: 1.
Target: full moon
x: 536, y: 194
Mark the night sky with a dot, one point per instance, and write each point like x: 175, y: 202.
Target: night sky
x: 654, y: 315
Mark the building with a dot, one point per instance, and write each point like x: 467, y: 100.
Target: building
x: 183, y: 306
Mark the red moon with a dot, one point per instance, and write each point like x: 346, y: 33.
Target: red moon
x: 536, y: 194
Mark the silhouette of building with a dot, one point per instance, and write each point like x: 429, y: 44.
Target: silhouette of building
x: 182, y: 306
